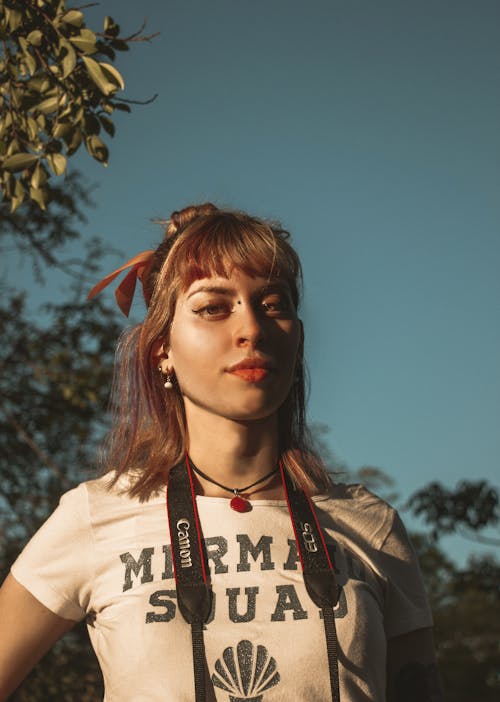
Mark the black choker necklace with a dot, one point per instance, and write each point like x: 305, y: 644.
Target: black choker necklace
x: 238, y: 503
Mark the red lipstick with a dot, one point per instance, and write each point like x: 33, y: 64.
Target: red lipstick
x: 252, y: 370
x: 251, y: 375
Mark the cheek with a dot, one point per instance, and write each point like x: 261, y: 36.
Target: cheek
x: 193, y: 352
x: 289, y: 344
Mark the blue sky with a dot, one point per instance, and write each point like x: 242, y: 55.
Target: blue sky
x: 371, y: 130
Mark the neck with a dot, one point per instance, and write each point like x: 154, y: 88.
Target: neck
x: 233, y: 453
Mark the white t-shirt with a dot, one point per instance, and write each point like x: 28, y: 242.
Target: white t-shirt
x: 105, y: 556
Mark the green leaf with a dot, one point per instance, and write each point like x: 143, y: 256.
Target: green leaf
x: 13, y: 148
x: 73, y: 141
x: 18, y: 197
x: 32, y: 128
x: 120, y: 45
x: 105, y: 85
x: 18, y: 162
x: 49, y: 105
x: 30, y: 62
x: 57, y: 163
x: 122, y: 107
x: 41, y: 121
x: 9, y: 183
x: 97, y: 149
x: 15, y: 202
x: 73, y: 17
x: 91, y: 124
x: 13, y: 18
x: 110, y: 27
x: 40, y: 196
x: 39, y: 83
x: 69, y: 61
x: 107, y: 125
x: 115, y: 76
x: 85, y: 41
x: 19, y: 189
x: 106, y: 50
x: 15, y: 97
x: 79, y: 114
x: 35, y: 37
x: 61, y: 129
x: 39, y: 176
x: 63, y: 102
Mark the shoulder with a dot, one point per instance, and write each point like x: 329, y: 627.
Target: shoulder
x: 368, y: 526
x: 109, y: 501
x: 359, y: 513
x: 78, y: 497
x: 93, y: 498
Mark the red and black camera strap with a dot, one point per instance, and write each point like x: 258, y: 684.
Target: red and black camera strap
x: 317, y: 568
x: 194, y: 593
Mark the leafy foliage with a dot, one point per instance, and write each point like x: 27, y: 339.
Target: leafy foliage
x: 54, y: 390
x: 466, y: 609
x: 470, y: 507
x: 58, y: 90
x: 41, y: 235
x: 465, y: 602
x: 56, y: 374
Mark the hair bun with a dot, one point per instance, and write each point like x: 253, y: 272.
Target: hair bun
x: 179, y: 219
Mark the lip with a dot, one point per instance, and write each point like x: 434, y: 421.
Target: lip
x: 251, y: 375
x: 252, y: 370
x: 251, y: 364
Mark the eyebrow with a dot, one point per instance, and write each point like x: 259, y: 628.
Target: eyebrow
x: 218, y: 289
x: 232, y: 292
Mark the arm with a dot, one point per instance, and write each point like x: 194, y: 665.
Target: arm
x: 412, y: 672
x: 27, y: 630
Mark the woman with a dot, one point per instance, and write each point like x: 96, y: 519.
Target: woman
x: 217, y: 599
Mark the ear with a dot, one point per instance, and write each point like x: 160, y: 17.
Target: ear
x: 159, y: 353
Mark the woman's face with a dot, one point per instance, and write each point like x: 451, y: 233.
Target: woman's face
x: 233, y: 346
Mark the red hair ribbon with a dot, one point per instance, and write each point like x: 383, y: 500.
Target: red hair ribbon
x: 125, y: 291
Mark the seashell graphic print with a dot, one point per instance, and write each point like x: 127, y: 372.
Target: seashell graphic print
x: 246, y: 672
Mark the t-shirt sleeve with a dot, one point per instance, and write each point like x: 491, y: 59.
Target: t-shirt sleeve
x: 406, y: 605
x: 55, y: 565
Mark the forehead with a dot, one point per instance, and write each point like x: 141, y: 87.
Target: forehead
x: 236, y: 282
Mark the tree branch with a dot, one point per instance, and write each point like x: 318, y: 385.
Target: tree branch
x: 472, y: 536
x: 136, y: 102
x: 34, y: 446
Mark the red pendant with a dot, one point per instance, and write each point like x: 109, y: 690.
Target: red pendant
x: 239, y: 504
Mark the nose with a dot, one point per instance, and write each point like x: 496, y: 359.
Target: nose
x: 250, y: 326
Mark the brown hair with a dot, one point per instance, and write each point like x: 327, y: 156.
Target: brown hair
x: 149, y: 434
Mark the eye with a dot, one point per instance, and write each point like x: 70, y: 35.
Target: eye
x: 218, y: 309
x: 275, y: 305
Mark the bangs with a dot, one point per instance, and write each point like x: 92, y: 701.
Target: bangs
x: 217, y: 244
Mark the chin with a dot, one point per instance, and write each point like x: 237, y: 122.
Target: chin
x: 250, y: 409
x: 251, y: 413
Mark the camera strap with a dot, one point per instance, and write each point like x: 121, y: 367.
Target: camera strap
x: 317, y: 568
x: 194, y: 593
